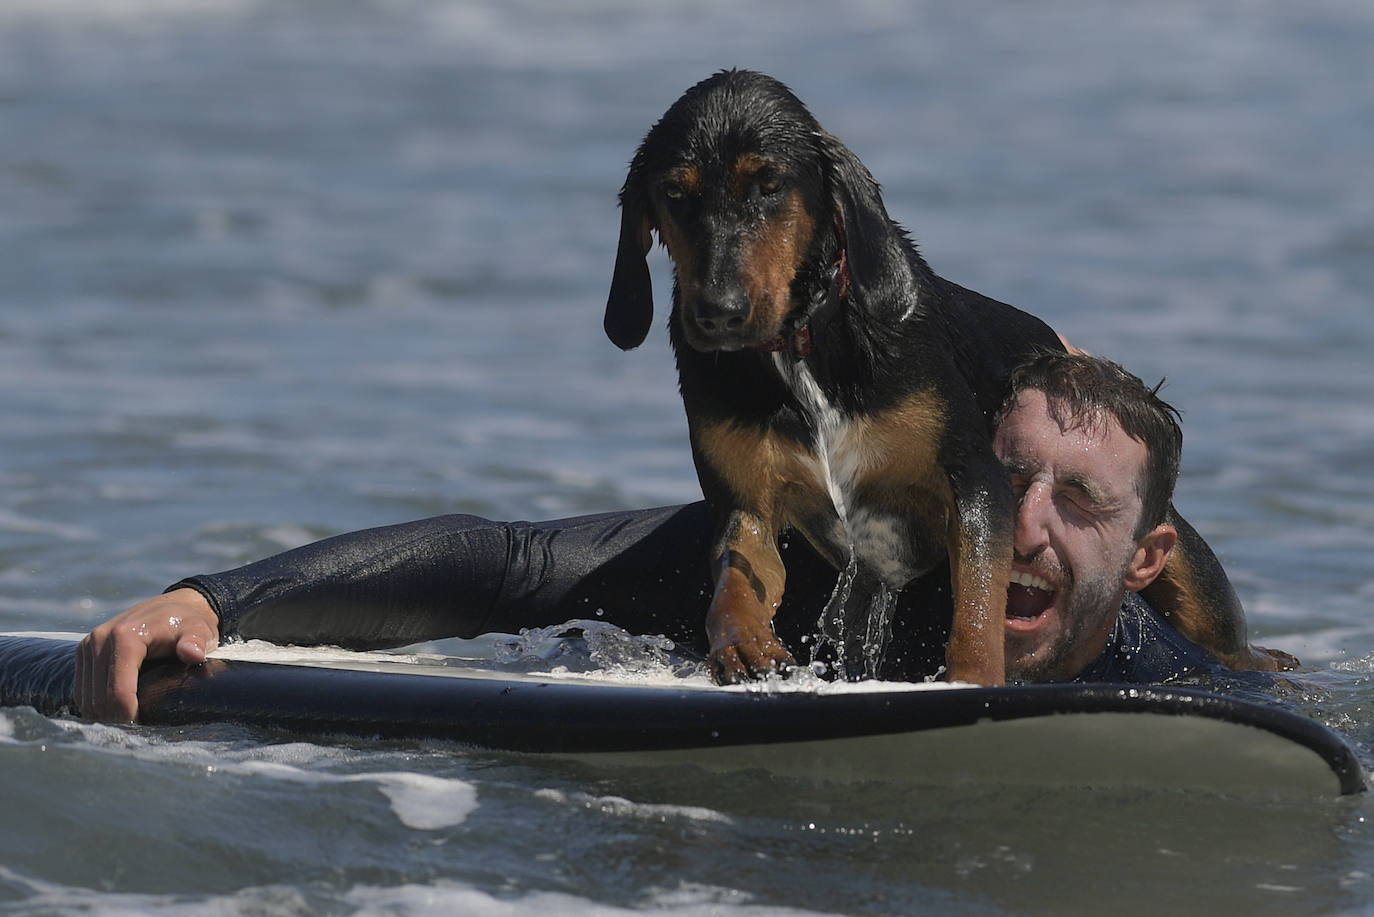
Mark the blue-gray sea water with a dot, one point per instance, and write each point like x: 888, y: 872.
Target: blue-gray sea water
x: 275, y: 270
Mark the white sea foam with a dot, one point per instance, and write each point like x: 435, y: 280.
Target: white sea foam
x: 1363, y: 665
x: 420, y: 801
x: 688, y: 899
x: 424, y: 802
x: 50, y: 898
x: 616, y: 805
x: 685, y: 900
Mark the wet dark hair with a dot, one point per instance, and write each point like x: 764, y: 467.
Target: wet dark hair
x: 1083, y: 390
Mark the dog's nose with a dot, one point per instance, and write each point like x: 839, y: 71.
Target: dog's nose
x: 722, y: 310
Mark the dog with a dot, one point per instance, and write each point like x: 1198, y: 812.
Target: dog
x: 834, y: 385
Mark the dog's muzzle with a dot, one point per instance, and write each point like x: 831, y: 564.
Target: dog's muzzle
x: 719, y: 319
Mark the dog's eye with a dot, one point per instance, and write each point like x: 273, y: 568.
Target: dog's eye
x: 673, y: 191
x: 770, y: 182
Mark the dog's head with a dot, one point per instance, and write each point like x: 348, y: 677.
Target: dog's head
x: 759, y: 209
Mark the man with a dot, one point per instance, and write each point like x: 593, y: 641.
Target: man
x: 1092, y: 454
x: 1091, y: 497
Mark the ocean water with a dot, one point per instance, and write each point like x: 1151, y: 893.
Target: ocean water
x: 275, y: 270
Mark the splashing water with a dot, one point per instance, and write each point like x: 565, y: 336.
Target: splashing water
x: 593, y: 646
x: 856, y: 624
x: 832, y: 627
x: 881, y: 604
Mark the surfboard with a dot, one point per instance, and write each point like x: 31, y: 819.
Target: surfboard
x: 1094, y: 735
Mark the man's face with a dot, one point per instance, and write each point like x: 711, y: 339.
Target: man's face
x: 1076, y: 512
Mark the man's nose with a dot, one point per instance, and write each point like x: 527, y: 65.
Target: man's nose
x: 1033, y: 509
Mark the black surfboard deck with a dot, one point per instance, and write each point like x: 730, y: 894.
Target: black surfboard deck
x: 1086, y: 735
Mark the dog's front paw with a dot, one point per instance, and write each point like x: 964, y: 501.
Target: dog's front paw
x: 739, y: 662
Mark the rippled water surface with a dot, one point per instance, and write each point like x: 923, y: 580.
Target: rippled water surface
x: 271, y: 271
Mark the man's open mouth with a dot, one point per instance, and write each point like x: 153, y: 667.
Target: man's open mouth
x: 1028, y: 597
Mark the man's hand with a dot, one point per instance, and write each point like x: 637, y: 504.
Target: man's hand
x: 179, y: 623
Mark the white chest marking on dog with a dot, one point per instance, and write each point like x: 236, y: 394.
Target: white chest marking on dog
x: 837, y: 466
x: 840, y: 457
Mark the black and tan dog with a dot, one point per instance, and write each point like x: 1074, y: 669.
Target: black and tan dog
x: 836, y: 385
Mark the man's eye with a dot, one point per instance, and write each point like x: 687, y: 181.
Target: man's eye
x: 1080, y: 501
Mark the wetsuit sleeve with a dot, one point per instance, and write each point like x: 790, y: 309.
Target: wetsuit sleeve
x: 461, y: 576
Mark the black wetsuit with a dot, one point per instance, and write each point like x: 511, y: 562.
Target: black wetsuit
x: 642, y: 570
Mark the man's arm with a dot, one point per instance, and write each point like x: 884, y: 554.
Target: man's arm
x: 443, y: 577
x: 374, y: 588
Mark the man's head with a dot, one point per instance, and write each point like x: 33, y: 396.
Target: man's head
x: 1093, y: 456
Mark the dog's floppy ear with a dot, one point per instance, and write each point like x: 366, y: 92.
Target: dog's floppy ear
x: 630, y: 307
x: 875, y: 247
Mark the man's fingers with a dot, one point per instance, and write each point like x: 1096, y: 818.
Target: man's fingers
x: 196, y: 641
x: 126, y: 655
x: 103, y: 690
